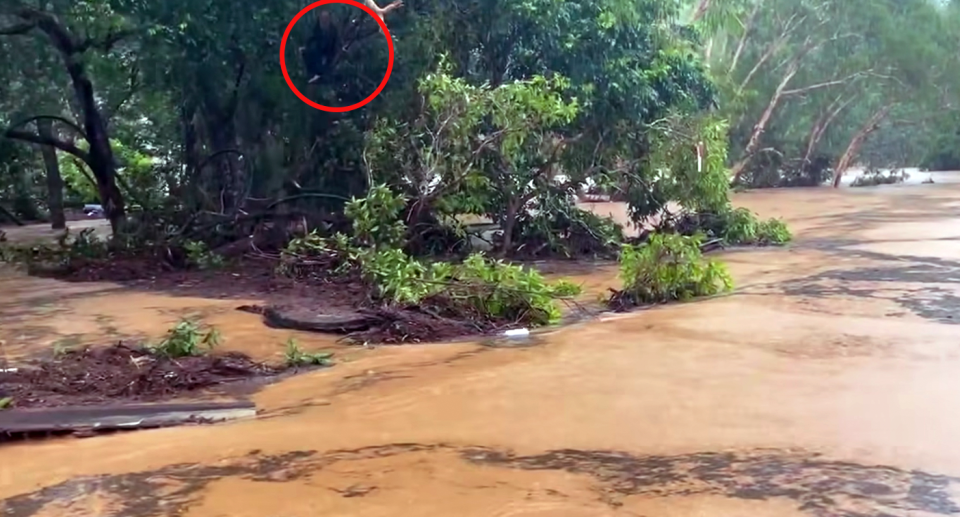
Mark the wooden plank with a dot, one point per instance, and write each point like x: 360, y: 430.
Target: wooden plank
x: 114, y: 417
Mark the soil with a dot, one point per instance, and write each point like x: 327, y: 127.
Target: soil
x: 121, y: 373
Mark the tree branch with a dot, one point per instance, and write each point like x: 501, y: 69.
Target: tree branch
x: 812, y: 87
x: 743, y: 39
x: 49, y: 24
x: 34, y: 138
x: 56, y: 118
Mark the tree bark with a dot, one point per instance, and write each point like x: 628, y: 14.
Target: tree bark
x: 509, y: 223
x: 743, y: 39
x: 853, y: 148
x: 761, y: 124
x: 823, y: 122
x: 58, y: 220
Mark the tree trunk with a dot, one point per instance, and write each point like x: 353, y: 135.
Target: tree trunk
x: 102, y: 163
x: 228, y: 178
x: 58, y: 220
x: 820, y: 127
x: 100, y: 155
x: 853, y: 148
x: 509, y: 223
x: 761, y: 124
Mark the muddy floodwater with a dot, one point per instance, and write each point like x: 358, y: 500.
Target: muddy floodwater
x: 828, y: 384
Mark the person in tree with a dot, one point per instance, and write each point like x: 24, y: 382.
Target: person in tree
x: 321, y: 48
x: 326, y: 41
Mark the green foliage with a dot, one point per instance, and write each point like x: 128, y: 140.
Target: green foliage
x: 6, y: 403
x: 557, y: 229
x: 186, y: 339
x: 671, y: 172
x: 201, y: 257
x: 376, y: 219
x: 507, y: 292
x: 494, y: 290
x: 294, y: 357
x: 944, y: 152
x: 668, y: 267
x: 475, y: 149
x: 740, y: 226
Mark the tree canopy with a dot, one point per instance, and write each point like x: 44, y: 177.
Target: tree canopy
x: 493, y: 107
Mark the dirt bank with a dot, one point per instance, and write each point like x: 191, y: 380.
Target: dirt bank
x: 121, y: 373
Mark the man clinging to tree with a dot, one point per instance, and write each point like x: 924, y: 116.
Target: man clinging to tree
x: 326, y: 41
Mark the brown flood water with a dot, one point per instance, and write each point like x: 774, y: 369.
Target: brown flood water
x: 824, y: 386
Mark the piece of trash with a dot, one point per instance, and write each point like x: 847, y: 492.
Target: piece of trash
x: 517, y: 333
x: 9, y: 370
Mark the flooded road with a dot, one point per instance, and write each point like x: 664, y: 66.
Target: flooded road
x: 824, y: 386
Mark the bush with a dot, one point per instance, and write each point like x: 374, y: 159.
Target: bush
x: 490, y: 289
x: 668, y: 267
x: 477, y: 288
x: 200, y: 256
x: 741, y: 226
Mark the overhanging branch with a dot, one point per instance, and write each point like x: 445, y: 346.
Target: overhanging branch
x: 56, y: 118
x: 34, y: 138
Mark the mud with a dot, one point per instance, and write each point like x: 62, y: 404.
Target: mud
x: 121, y: 373
x: 824, y: 386
x: 809, y: 483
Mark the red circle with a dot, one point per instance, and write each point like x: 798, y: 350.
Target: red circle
x: 283, y: 61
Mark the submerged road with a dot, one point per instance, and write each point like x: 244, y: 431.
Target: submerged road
x: 827, y: 385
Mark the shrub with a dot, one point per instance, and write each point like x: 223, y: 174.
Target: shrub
x: 491, y: 289
x: 741, y: 226
x: 478, y: 287
x: 504, y: 291
x: 200, y: 256
x: 666, y: 268
x: 187, y: 338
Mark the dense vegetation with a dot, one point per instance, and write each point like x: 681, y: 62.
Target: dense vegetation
x: 176, y: 118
